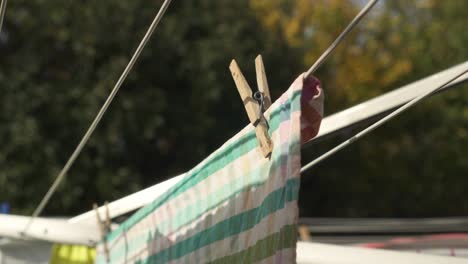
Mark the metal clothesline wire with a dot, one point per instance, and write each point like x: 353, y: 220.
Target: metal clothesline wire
x: 100, y: 114
x: 364, y: 11
x: 340, y: 38
x: 3, y: 5
x: 379, y: 123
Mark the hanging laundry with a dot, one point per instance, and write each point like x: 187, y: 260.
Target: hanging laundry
x: 72, y: 254
x: 235, y: 206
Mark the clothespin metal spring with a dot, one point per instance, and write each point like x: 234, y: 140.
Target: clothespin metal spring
x: 260, y: 98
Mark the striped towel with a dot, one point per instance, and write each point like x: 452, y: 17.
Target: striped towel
x: 235, y: 206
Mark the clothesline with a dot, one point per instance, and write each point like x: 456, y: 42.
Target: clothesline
x: 330, y: 125
x: 380, y: 122
x: 340, y: 38
x: 378, y: 106
x: 2, y: 12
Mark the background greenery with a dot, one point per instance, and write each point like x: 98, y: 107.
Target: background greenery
x: 60, y: 59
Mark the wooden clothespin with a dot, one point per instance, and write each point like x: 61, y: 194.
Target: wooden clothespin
x: 255, y: 109
x: 104, y: 228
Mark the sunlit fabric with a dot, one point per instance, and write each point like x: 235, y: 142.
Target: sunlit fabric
x: 235, y: 206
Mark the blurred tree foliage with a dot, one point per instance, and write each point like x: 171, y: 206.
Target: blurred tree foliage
x: 60, y: 59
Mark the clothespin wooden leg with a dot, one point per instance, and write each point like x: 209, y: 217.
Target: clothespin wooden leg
x: 253, y: 110
x: 103, y: 232
x: 262, y: 84
x: 262, y: 81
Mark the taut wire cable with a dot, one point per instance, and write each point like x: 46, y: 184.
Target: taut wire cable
x: 379, y: 123
x: 340, y: 38
x: 3, y: 5
x: 99, y: 116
